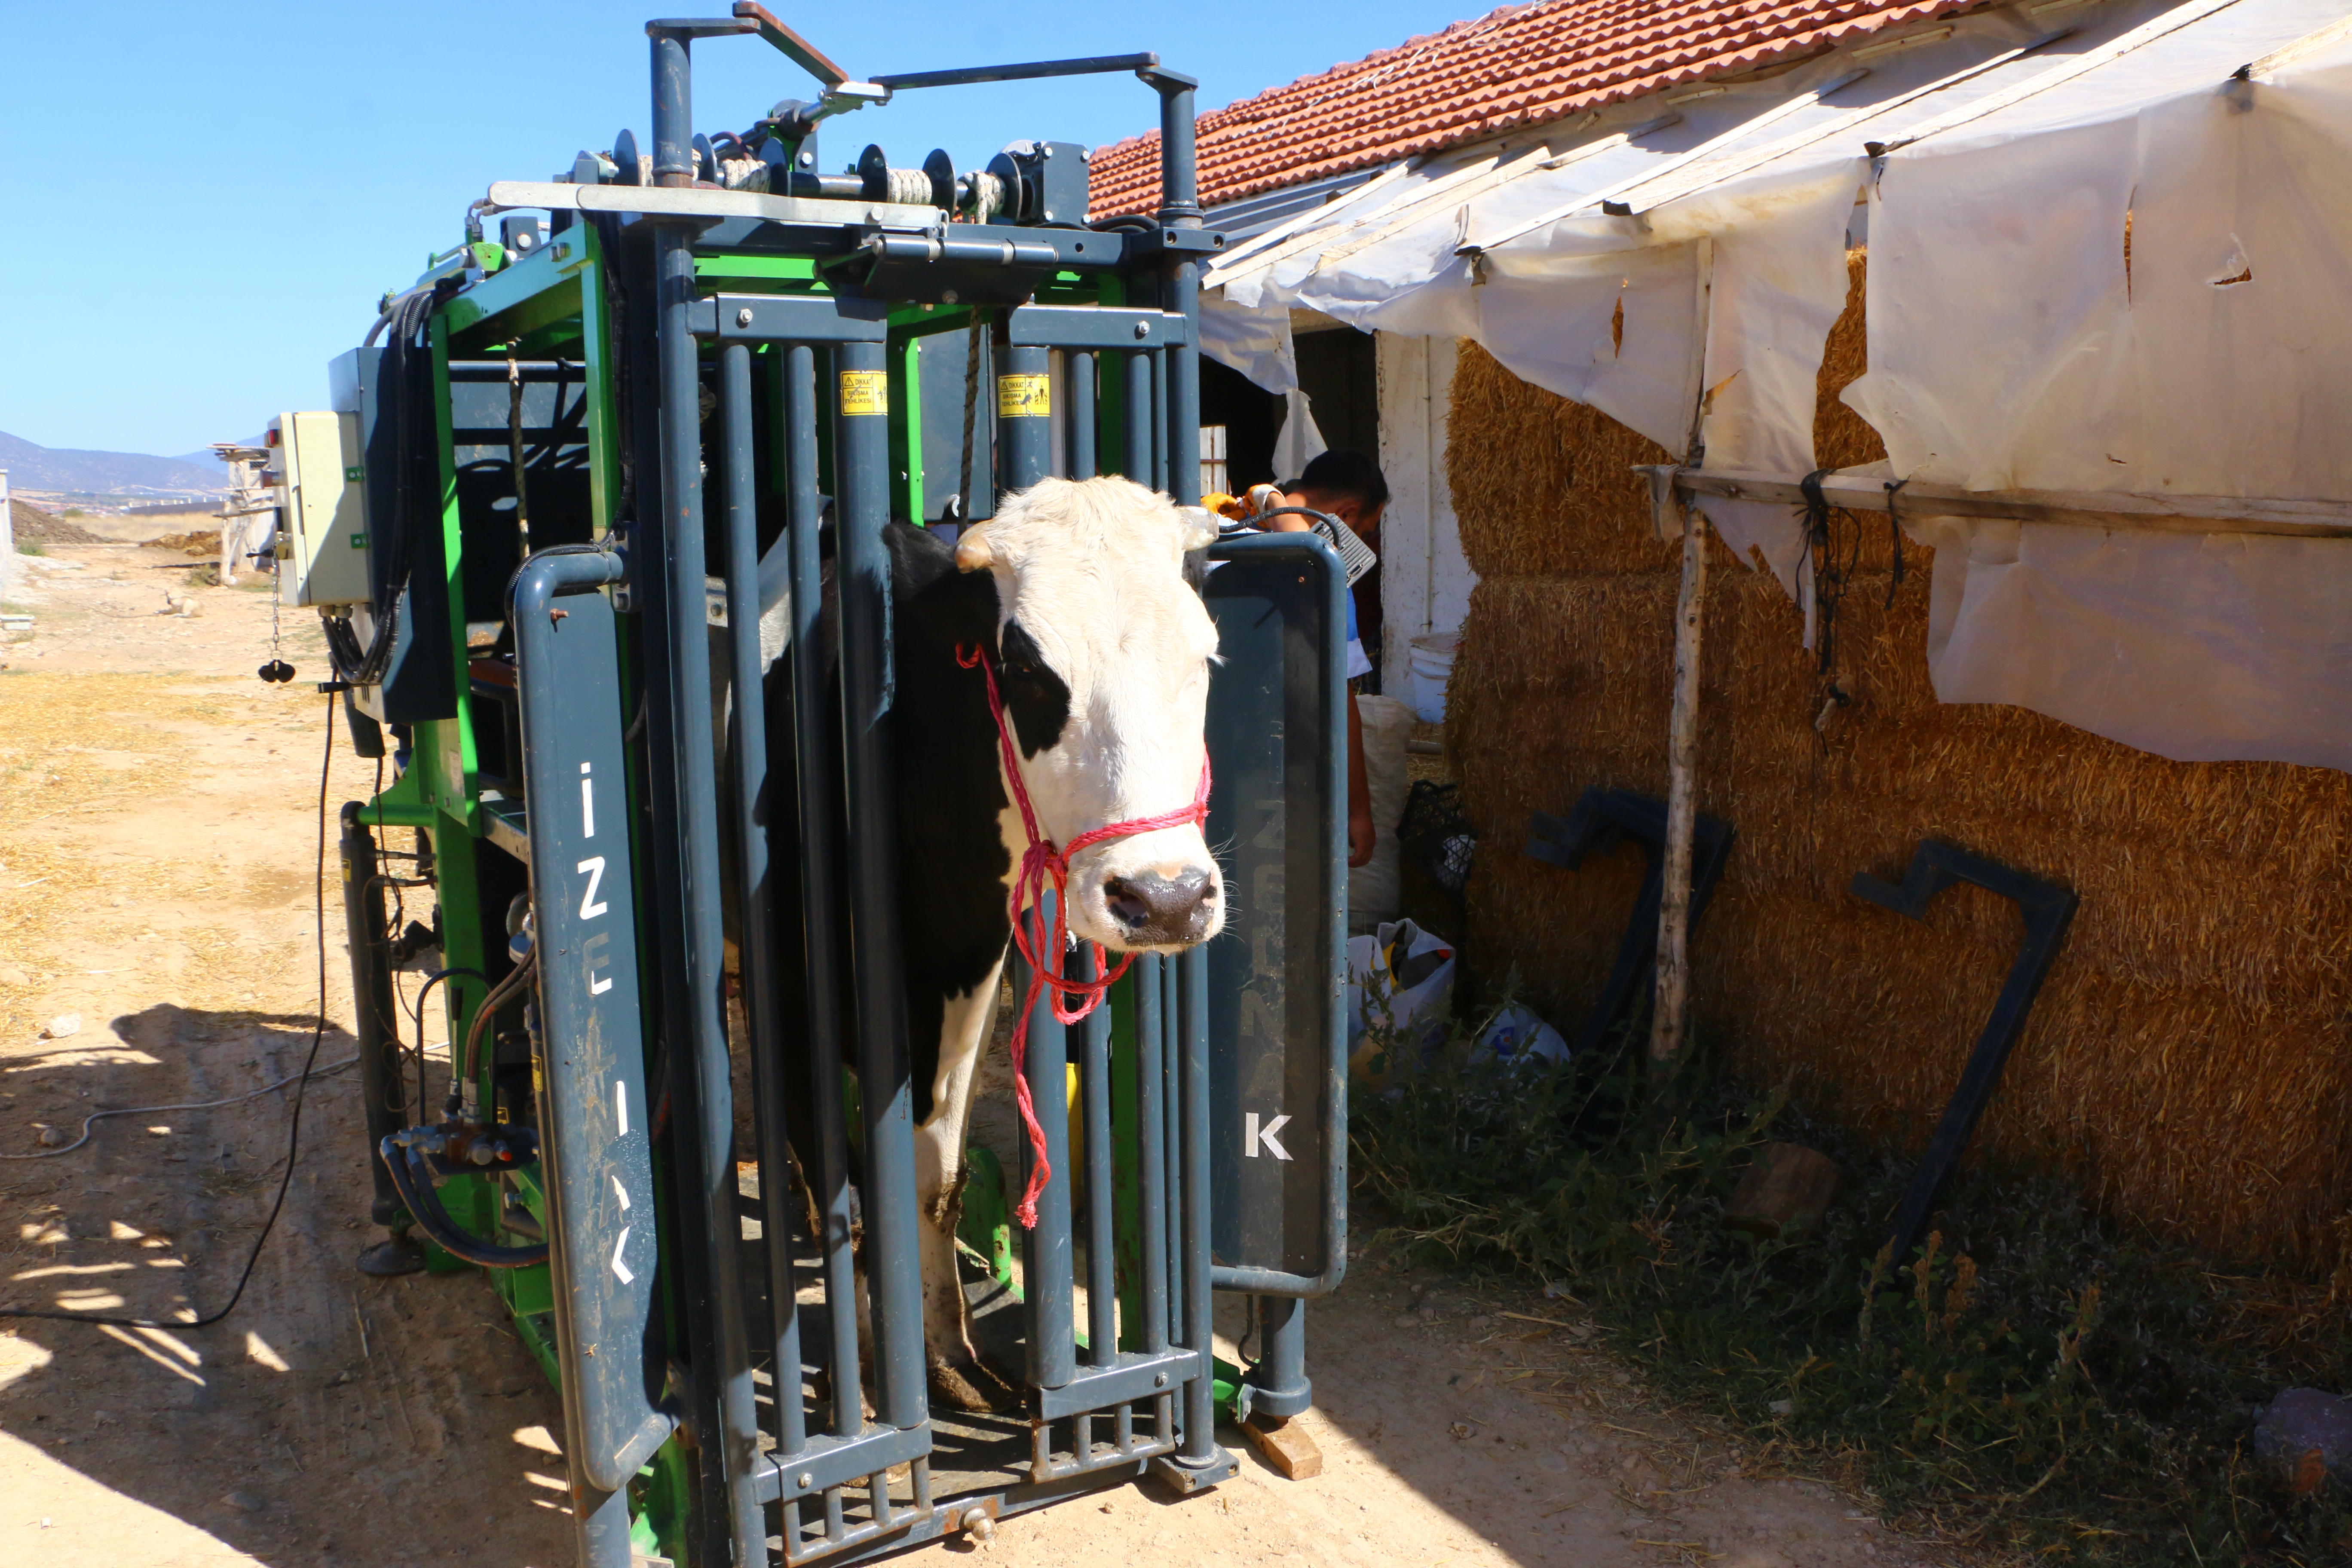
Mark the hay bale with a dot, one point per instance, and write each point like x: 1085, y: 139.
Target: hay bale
x: 1553, y: 481
x: 195, y: 542
x: 1842, y: 440
x: 2186, y: 1061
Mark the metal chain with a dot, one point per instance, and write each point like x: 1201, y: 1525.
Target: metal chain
x: 514, y: 451
x: 971, y: 403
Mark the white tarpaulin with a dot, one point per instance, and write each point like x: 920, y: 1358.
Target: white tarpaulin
x: 2009, y: 349
x: 2135, y: 282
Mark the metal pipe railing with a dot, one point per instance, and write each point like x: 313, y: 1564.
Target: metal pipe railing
x: 1046, y: 1252
x: 1078, y: 375
x: 1152, y: 1152
x: 700, y: 1087
x: 816, y: 775
x: 862, y: 478
x: 1094, y: 1086
x: 755, y: 892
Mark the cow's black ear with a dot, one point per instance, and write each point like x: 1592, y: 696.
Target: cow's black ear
x: 933, y: 596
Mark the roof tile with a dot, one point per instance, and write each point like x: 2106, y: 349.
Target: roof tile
x: 1519, y: 65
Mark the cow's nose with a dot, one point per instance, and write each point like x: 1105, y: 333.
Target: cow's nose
x: 1156, y: 911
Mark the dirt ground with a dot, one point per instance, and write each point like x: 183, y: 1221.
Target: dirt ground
x: 158, y: 842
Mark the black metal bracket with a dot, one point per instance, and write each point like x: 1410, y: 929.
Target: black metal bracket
x: 1602, y: 819
x: 2048, y: 909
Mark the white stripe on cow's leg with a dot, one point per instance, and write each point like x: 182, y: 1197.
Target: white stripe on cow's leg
x: 964, y: 1028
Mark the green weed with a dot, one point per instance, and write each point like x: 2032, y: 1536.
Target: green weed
x: 2035, y: 1380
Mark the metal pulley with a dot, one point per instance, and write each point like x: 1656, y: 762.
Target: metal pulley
x: 1037, y: 183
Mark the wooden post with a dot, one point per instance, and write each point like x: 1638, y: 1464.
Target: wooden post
x: 1670, y: 1019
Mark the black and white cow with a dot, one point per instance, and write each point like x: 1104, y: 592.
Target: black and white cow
x: 1077, y: 592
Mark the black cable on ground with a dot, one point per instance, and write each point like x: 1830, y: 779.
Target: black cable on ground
x: 294, y: 1126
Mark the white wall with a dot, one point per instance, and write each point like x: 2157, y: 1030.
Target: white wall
x: 1425, y: 582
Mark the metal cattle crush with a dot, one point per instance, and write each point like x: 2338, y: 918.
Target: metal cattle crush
x: 569, y: 458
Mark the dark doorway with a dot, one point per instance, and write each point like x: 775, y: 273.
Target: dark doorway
x: 1339, y: 369
x: 1252, y: 418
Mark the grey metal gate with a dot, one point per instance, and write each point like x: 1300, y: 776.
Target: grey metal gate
x: 679, y: 1302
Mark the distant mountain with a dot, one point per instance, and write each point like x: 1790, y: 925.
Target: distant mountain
x: 37, y: 468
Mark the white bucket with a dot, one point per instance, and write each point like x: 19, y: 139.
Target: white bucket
x: 1433, y: 666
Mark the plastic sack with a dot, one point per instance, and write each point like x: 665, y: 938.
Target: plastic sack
x: 1517, y: 1037
x: 1374, y: 889
x: 1399, y: 999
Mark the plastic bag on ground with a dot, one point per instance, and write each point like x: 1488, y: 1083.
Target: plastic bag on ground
x: 1399, y: 999
x: 1517, y: 1037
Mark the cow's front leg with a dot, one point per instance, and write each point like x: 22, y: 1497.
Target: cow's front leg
x: 957, y: 1376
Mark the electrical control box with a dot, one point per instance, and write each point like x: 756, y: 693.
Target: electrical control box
x: 316, y: 464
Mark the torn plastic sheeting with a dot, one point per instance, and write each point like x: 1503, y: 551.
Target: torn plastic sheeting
x: 2200, y: 648
x: 2012, y: 347
x: 1300, y: 440
x: 2042, y: 363
x: 1253, y: 341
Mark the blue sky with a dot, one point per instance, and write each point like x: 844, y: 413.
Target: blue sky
x: 203, y: 203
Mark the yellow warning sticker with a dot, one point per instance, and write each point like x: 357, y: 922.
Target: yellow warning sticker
x: 865, y: 392
x: 1024, y: 396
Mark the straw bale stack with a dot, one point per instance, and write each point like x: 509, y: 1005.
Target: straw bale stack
x: 2190, y: 1060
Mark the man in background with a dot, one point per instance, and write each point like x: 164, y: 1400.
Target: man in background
x: 1351, y: 486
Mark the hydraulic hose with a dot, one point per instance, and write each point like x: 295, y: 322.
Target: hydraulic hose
x: 412, y: 1178
x: 461, y: 1065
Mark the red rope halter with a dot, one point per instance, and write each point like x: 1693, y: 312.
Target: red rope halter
x: 1040, y: 862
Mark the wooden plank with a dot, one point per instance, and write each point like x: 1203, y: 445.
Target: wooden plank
x: 1422, y: 206
x: 1673, y: 165
x: 2063, y: 72
x: 1864, y: 492
x: 1691, y: 180
x: 1287, y: 1446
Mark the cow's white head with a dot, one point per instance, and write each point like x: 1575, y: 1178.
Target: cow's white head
x: 1102, y: 651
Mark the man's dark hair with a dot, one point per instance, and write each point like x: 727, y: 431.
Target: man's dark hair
x: 1346, y: 476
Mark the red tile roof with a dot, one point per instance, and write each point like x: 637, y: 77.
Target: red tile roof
x: 1521, y: 66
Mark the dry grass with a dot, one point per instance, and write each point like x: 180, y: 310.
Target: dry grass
x: 2189, y: 1061
x: 79, y: 752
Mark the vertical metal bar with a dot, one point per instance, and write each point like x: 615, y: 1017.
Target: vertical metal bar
x: 980, y: 430
x: 749, y: 737
x: 1079, y: 377
x: 1171, y: 1114
x: 1094, y: 1082
x: 700, y: 1087
x: 1134, y: 461
x: 1179, y: 428
x: 1151, y: 1204
x: 1159, y: 416
x: 1277, y: 1379
x: 600, y: 1529
x: 1046, y: 1247
x: 383, y: 1089
x: 1025, y: 387
x: 815, y: 769
x: 862, y: 475
x: 1199, y: 1419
